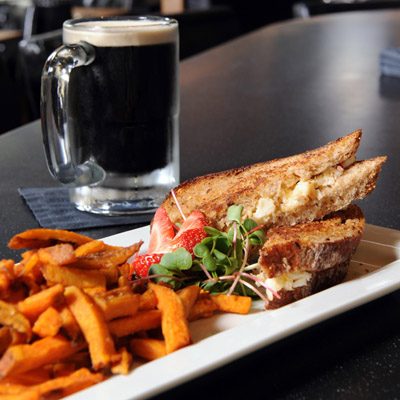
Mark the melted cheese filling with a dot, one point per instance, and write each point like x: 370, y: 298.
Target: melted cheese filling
x: 287, y: 281
x: 292, y: 198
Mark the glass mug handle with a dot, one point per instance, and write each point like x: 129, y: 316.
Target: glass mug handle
x: 54, y: 114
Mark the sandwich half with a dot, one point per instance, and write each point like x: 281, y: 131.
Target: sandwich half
x: 282, y: 192
x: 300, y: 260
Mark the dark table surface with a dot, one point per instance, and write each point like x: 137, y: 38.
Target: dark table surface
x: 278, y: 91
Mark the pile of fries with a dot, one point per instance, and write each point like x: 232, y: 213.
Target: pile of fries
x: 69, y: 316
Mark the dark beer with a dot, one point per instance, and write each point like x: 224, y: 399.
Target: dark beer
x: 122, y: 105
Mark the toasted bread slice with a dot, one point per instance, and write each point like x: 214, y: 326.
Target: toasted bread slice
x: 312, y: 246
x: 300, y: 260
x: 285, y: 191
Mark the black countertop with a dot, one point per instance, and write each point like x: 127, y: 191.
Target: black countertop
x: 275, y: 92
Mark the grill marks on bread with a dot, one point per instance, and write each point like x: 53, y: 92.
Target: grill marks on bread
x: 214, y: 193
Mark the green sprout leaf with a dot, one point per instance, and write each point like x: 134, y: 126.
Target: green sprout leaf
x: 223, y: 244
x: 249, y: 224
x: 235, y: 213
x: 257, y: 237
x: 179, y: 260
x: 209, y: 263
x: 219, y: 255
x: 201, y: 250
x: 208, y: 241
x: 212, y: 231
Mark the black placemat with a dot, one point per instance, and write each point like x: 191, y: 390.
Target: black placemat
x: 52, y: 209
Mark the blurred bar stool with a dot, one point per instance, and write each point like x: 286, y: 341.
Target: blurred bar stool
x: 11, y: 98
x: 109, y: 3
x: 9, y: 50
x: 9, y: 16
x: 45, y: 16
x: 306, y: 9
x: 91, y: 12
x: 33, y: 53
x: 8, y: 34
x: 110, y: 8
x: 9, y: 102
x: 201, y: 29
x: 172, y: 6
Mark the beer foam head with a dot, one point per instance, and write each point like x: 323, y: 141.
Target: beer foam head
x: 119, y: 32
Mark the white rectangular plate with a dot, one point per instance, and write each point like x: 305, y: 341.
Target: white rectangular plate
x: 374, y: 272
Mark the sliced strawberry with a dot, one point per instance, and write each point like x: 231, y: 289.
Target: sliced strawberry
x: 188, y: 239
x: 141, y: 264
x: 163, y: 239
x: 162, y: 232
x: 196, y: 220
x: 191, y: 232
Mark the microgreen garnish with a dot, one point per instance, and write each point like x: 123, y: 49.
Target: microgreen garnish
x: 221, y: 262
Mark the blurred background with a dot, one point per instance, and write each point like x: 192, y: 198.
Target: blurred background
x: 31, y: 29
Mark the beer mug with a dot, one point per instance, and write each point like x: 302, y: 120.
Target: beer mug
x: 110, y: 109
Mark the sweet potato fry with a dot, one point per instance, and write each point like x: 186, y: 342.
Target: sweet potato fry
x: 18, y: 337
x: 204, y: 307
x: 25, y: 394
x: 93, y: 326
x: 80, y: 359
x: 30, y: 378
x: 123, y: 280
x: 149, y: 349
x: 25, y: 357
x: 125, y: 271
x: 62, y: 369
x: 141, y: 321
x: 111, y: 256
x: 73, y: 276
x: 148, y: 300
x: 111, y: 273
x: 19, y: 243
x: 8, y: 266
x: 6, y: 277
x: 48, y: 323
x: 11, y: 388
x: 55, y: 388
x: 26, y: 255
x: 69, y: 323
x: 5, y: 338
x: 116, y: 303
x: 124, y: 364
x: 174, y: 325
x: 232, y: 303
x: 29, y: 263
x: 34, y: 305
x: 67, y: 385
x: 89, y: 248
x: 10, y: 316
x: 5, y: 283
x: 188, y: 296
x: 60, y: 254
x: 41, y: 237
x: 94, y: 291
